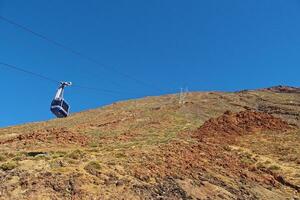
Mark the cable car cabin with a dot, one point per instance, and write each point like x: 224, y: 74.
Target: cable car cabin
x: 60, y: 108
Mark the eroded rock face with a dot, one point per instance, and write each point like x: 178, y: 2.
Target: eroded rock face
x: 242, y: 123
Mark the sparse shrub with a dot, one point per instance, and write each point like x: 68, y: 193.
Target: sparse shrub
x: 17, y: 158
x: 93, y: 144
x: 93, y: 167
x: 77, y: 154
x: 227, y: 148
x: 2, y: 158
x: 274, y: 167
x: 260, y: 165
x: 246, y: 160
x: 58, y: 154
x: 120, y: 155
x: 10, y: 155
x: 247, y: 155
x: 8, y: 166
x: 71, y: 161
x: 267, y: 162
x: 56, y: 164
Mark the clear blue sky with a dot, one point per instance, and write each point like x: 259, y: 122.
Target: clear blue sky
x: 204, y: 45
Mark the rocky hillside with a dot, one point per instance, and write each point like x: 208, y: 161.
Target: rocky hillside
x: 215, y: 145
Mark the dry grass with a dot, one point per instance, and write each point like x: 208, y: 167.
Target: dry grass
x: 130, y: 144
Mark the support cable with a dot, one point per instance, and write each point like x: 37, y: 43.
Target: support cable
x: 79, y: 54
x: 20, y: 69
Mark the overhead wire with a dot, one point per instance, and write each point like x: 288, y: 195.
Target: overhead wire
x: 82, y: 55
x: 20, y: 69
x: 28, y: 72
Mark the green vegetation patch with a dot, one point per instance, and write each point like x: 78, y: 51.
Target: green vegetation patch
x: 93, y: 167
x: 8, y: 166
x: 58, y: 154
x: 76, y: 154
x: 274, y: 167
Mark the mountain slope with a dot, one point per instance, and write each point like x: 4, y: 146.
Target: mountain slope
x: 156, y: 148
